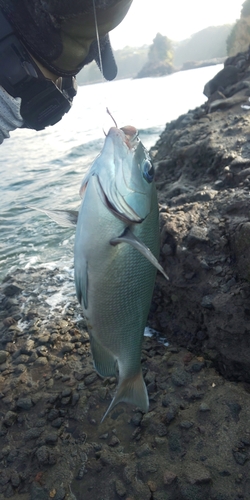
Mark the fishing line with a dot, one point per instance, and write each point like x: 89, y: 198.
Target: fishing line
x: 98, y: 40
x: 101, y: 64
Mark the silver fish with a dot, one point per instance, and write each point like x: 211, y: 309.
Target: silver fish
x: 116, y: 251
x: 116, y: 243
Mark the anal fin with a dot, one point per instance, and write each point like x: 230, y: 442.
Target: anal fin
x: 104, y: 361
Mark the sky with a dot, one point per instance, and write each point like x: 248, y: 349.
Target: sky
x: 176, y: 19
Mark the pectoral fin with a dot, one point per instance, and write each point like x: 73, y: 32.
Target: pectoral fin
x: 131, y: 239
x: 65, y: 218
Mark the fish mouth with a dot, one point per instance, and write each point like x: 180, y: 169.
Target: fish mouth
x: 118, y: 207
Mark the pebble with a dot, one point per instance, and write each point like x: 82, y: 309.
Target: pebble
x: 43, y: 339
x: 90, y: 378
x: 41, y: 362
x: 181, y: 377
x: 143, y: 451
x: 136, y: 418
x: 27, y: 347
x: 185, y: 424
x: 22, y: 359
x: 42, y: 350
x: 10, y: 418
x: 204, y: 407
x: 169, y: 477
x: 114, y: 441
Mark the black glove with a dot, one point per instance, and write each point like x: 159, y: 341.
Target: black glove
x: 61, y: 34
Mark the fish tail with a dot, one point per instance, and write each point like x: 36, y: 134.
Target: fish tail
x: 130, y: 390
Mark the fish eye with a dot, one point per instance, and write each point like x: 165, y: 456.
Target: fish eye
x: 148, y: 170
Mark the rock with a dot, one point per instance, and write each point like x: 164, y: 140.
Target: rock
x: 197, y: 474
x: 11, y: 290
x: 90, y: 378
x: 67, y: 348
x: 45, y: 456
x: 143, y: 451
x: 37, y: 492
x: 24, y: 403
x: 227, y: 76
x: 204, y: 407
x: 241, y: 245
x: 41, y: 361
x: 9, y: 418
x: 3, y: 356
x: 240, y: 457
x: 120, y: 488
x: 181, y: 377
x: 169, y: 477
x: 197, y: 235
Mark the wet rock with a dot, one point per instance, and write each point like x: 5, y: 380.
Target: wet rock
x: 3, y: 356
x: 12, y: 289
x: 24, y: 403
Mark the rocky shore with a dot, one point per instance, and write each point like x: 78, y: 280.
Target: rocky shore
x: 194, y: 443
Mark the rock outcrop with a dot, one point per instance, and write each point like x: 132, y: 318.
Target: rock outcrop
x: 203, y: 178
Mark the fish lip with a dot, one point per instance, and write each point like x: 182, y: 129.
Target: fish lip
x: 112, y: 208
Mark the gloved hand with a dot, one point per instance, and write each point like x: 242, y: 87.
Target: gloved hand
x: 61, y: 34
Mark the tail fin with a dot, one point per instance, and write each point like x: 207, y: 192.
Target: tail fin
x: 130, y: 390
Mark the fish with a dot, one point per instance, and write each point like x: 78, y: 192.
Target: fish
x: 117, y: 245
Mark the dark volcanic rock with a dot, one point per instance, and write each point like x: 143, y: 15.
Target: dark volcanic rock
x: 206, y: 239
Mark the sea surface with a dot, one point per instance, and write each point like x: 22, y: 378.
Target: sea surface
x: 45, y: 169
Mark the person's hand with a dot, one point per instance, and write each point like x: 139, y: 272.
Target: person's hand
x: 61, y: 35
